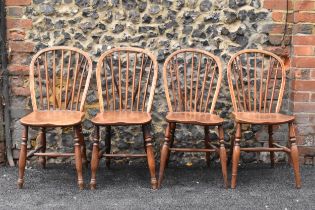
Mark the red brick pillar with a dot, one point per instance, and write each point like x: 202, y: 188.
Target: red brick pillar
x: 300, y: 58
x: 19, y: 53
x: 303, y: 65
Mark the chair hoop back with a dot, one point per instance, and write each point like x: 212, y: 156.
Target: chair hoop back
x: 60, y: 78
x: 126, y: 79
x: 192, y: 79
x: 256, y: 81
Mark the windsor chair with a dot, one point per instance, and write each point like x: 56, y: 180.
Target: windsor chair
x: 256, y: 81
x: 59, y: 80
x: 192, y: 79
x: 126, y: 80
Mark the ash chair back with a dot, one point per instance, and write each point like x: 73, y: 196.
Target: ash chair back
x: 59, y: 78
x: 256, y: 81
x: 126, y: 79
x: 192, y: 79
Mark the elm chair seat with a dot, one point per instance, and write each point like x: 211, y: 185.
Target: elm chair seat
x: 196, y: 118
x: 122, y: 118
x: 53, y: 118
x: 262, y: 118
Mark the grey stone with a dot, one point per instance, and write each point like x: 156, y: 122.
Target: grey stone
x: 198, y: 34
x: 233, y: 4
x: 82, y: 3
x: 134, y: 16
x: 87, y: 26
x: 118, y: 28
x: 225, y: 31
x: 146, y: 18
x: 255, y: 3
x: 155, y: 9
x: 180, y: 4
x: 142, y: 6
x: 187, y: 29
x: 47, y: 9
x: 213, y: 18
x: 129, y: 4
x: 205, y: 6
x: 144, y: 29
x: 230, y: 17
x: 38, y: 1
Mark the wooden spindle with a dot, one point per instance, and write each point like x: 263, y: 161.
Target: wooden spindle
x: 185, y: 81
x: 191, y: 80
x: 61, y: 78
x: 133, y: 81
x: 113, y: 81
x: 267, y: 84
x: 204, y: 84
x: 273, y: 87
x: 47, y: 81
x: 119, y: 81
x: 40, y: 85
x: 197, y: 82
x: 127, y: 82
x: 255, y: 83
x: 261, y: 82
x: 68, y: 79
x: 173, y: 85
x: 248, y: 82
x: 140, y: 78
x: 146, y: 86
x: 210, y: 87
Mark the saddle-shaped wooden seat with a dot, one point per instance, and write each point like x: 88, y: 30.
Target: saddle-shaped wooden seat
x: 262, y: 118
x: 122, y: 118
x: 196, y: 118
x: 53, y: 118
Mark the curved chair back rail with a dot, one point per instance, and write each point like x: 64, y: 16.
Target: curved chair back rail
x: 126, y: 79
x: 192, y: 79
x: 256, y: 81
x: 59, y: 78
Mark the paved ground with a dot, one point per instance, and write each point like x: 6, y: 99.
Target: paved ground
x: 127, y: 187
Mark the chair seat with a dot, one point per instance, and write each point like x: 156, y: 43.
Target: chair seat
x: 53, y: 118
x: 196, y: 118
x: 262, y: 118
x: 122, y: 118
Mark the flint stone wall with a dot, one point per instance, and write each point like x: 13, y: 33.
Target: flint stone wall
x: 222, y: 27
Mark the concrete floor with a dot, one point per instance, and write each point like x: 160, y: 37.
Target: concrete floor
x: 127, y: 187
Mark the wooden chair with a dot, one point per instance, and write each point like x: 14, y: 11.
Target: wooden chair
x: 126, y: 80
x: 59, y: 80
x: 192, y: 79
x: 257, y: 81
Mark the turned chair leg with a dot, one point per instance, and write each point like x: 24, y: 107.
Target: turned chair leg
x: 230, y: 155
x: 272, y: 154
x: 83, y: 148
x: 22, y: 158
x: 294, y: 156
x: 164, y: 153
x: 150, y: 154
x: 95, y: 157
x: 223, y: 156
x: 236, y: 155
x: 42, y: 143
x: 207, y: 144
x: 107, y: 145
x: 78, y: 157
x: 172, y: 137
